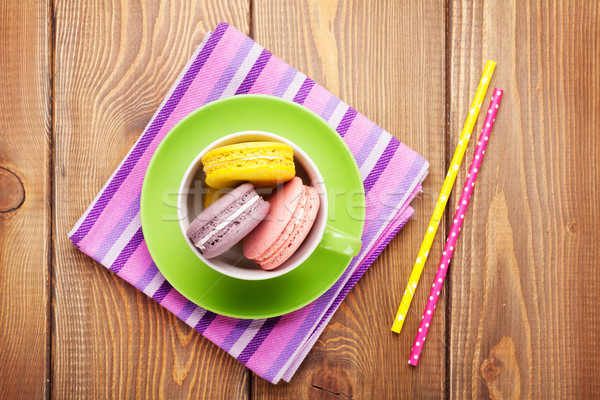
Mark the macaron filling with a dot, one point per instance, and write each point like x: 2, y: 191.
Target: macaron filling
x: 270, y: 158
x: 231, y: 218
x: 247, y: 152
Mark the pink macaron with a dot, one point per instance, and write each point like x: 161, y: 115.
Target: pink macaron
x: 291, y: 215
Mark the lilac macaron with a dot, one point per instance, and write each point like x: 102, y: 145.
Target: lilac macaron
x: 226, y: 221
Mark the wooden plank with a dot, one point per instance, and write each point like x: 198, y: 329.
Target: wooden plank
x: 115, y: 62
x: 25, y: 205
x: 386, y: 60
x: 525, y: 283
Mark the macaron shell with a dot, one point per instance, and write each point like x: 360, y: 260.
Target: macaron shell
x: 302, y: 222
x: 283, y: 204
x: 261, y: 172
x: 261, y: 163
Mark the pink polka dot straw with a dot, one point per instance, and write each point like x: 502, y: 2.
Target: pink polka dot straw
x: 434, y: 295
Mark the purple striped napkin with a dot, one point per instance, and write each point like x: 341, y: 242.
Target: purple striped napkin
x: 228, y: 63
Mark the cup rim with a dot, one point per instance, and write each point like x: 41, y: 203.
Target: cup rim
x: 315, y: 177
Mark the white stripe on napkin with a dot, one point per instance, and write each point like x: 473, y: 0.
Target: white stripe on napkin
x: 122, y: 241
x: 194, y: 317
x: 338, y: 114
x: 374, y: 155
x: 294, y: 86
x: 154, y: 285
x: 243, y: 341
x: 242, y: 71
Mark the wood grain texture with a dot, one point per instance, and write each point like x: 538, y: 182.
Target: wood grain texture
x: 25, y: 218
x: 525, y: 274
x: 386, y: 60
x: 115, y: 62
x: 519, y: 314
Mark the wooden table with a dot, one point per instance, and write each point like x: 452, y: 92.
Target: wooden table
x: 518, y: 315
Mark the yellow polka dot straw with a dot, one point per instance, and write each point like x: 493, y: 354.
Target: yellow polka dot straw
x: 440, y: 206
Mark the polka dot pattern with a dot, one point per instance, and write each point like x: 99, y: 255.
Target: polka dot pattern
x: 441, y: 203
x: 455, y: 228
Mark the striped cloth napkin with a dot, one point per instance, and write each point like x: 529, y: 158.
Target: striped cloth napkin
x: 228, y: 63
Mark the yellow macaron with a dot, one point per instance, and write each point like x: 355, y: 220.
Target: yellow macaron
x: 261, y: 163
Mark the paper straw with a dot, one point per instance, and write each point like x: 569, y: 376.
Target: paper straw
x: 463, y: 203
x: 440, y: 206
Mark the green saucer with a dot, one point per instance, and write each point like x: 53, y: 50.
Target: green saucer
x: 168, y: 247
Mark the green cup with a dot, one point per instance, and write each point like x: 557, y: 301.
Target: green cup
x: 232, y: 263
